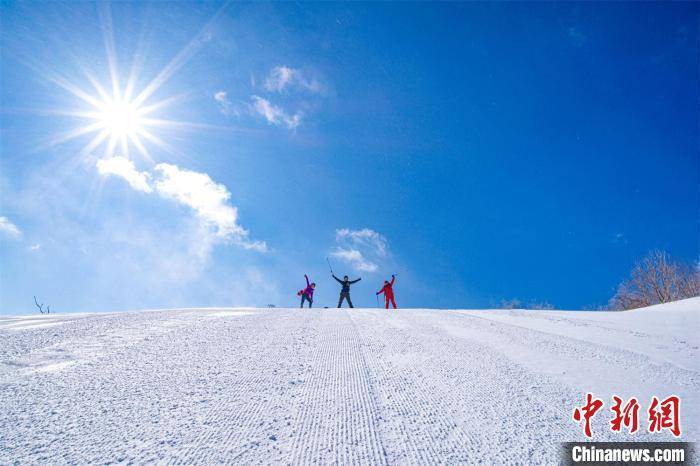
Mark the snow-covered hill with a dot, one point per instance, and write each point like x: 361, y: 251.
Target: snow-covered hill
x: 351, y: 386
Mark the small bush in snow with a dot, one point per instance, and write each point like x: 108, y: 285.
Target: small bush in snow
x: 542, y: 306
x: 511, y: 304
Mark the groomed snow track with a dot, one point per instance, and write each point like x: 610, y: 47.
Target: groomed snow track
x: 287, y: 386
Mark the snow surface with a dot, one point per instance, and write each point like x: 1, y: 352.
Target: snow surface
x: 363, y: 386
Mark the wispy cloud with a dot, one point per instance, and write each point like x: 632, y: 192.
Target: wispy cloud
x: 365, y: 237
x: 283, y: 77
x: 9, y: 229
x: 225, y: 105
x: 361, y: 249
x: 210, y: 201
x: 275, y: 115
x: 35, y: 247
x: 620, y: 238
x: 124, y: 168
x: 355, y: 259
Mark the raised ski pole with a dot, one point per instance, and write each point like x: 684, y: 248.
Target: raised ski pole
x: 329, y: 266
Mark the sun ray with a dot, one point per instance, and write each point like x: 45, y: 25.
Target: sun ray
x: 108, y: 37
x: 96, y: 141
x: 117, y: 119
x: 98, y: 87
x: 134, y: 73
x: 111, y: 145
x: 181, y: 58
x: 73, y: 89
x: 72, y: 134
x: 49, y: 112
x: 124, y: 146
x: 182, y: 125
x: 136, y: 141
x: 147, y: 109
x: 160, y: 143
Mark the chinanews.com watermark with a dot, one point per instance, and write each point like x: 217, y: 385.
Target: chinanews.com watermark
x: 619, y: 453
x: 661, y: 415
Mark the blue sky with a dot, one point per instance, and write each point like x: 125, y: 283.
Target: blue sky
x: 484, y: 151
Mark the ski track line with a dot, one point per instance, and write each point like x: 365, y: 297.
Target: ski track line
x: 240, y: 417
x: 365, y: 393
x: 303, y: 453
x: 280, y: 387
x: 305, y: 429
x: 687, y: 377
x: 409, y: 398
x: 558, y: 345
x: 420, y: 387
x: 102, y: 361
x: 447, y: 389
x: 610, y: 355
x: 202, y: 445
x: 337, y: 419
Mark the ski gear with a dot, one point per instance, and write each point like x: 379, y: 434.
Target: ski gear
x: 388, y: 291
x: 345, y: 282
x: 307, y: 294
x: 310, y: 287
x: 345, y: 291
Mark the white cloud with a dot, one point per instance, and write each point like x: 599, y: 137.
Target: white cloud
x: 274, y: 114
x: 35, y: 247
x: 365, y: 237
x: 362, y: 249
x: 225, y: 105
x: 8, y: 228
x: 279, y: 78
x: 355, y: 259
x: 208, y: 199
x: 124, y: 168
x: 283, y: 77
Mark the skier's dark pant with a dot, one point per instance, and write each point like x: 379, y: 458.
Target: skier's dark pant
x: 306, y: 298
x: 345, y: 295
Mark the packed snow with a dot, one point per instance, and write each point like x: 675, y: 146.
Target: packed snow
x: 362, y: 386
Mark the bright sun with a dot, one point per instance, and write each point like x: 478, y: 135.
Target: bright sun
x: 118, y: 120
x: 116, y: 116
x: 121, y: 119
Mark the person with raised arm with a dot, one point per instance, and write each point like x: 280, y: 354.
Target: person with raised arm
x: 307, y: 294
x: 345, y: 290
x: 388, y: 291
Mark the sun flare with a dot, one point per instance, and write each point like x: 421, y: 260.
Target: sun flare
x: 116, y: 117
x: 121, y: 118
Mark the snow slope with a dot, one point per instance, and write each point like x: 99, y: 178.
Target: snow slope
x: 365, y: 386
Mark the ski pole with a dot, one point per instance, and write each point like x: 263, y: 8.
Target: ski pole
x: 329, y: 265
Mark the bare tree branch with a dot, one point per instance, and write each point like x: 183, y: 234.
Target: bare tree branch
x: 40, y: 306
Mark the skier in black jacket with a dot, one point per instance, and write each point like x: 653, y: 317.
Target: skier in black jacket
x: 345, y: 292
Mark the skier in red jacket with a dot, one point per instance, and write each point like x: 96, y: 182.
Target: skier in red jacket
x: 388, y: 292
